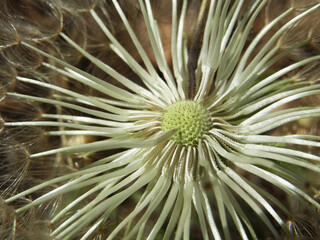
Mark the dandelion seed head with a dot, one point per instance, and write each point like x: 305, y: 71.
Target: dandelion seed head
x: 186, y: 140
x: 190, y: 118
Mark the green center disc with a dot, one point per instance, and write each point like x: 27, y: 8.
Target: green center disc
x: 190, y: 118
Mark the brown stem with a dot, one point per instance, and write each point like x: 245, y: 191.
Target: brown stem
x: 194, y: 51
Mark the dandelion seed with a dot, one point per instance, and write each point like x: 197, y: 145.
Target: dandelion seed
x: 185, y: 136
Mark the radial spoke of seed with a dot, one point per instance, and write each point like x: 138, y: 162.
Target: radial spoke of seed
x: 264, y: 64
x: 263, y: 153
x: 161, y: 182
x: 82, y: 182
x: 285, y: 84
x: 205, y: 84
x: 235, y: 137
x: 226, y: 202
x: 104, y: 87
x: 118, y: 160
x: 206, y: 33
x: 77, y: 133
x: 241, y: 213
x: 304, y: 136
x: 48, y: 183
x: 279, y: 74
x: 144, y: 126
x: 111, y: 90
x: 107, y: 69
x: 142, y: 104
x: 284, y: 112
x: 281, y: 119
x: 189, y: 165
x: 91, y: 100
x: 139, y: 231
x: 154, y: 84
x: 156, y: 44
x: 216, y: 40
x: 186, y: 227
x: 111, y: 132
x: 159, y: 93
x: 283, y: 151
x: 273, y: 89
x: 103, y: 206
x: 77, y: 184
x: 197, y: 203
x: 154, y: 199
x: 221, y: 204
x: 94, y: 121
x: 288, y: 139
x: 109, y: 190
x: 110, y: 144
x: 106, y: 191
x: 255, y: 195
x: 134, y: 39
x: 174, y: 217
x: 229, y: 156
x: 232, y: 54
x: 165, y: 160
x: 186, y: 208
x: 275, y: 36
x: 210, y: 157
x: 280, y: 170
x: 143, y: 115
x: 119, y: 47
x: 272, y: 198
x: 86, y: 110
x: 276, y: 101
x: 260, y: 158
x: 254, y: 43
x: 214, y: 35
x: 177, y: 47
x: 222, y: 138
x: 181, y: 46
x: 165, y: 210
x: 208, y: 213
x: 279, y: 182
x: 104, y: 184
x: 249, y: 200
x: 231, y: 25
x: 93, y: 228
x: 235, y: 56
x: 230, y: 58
